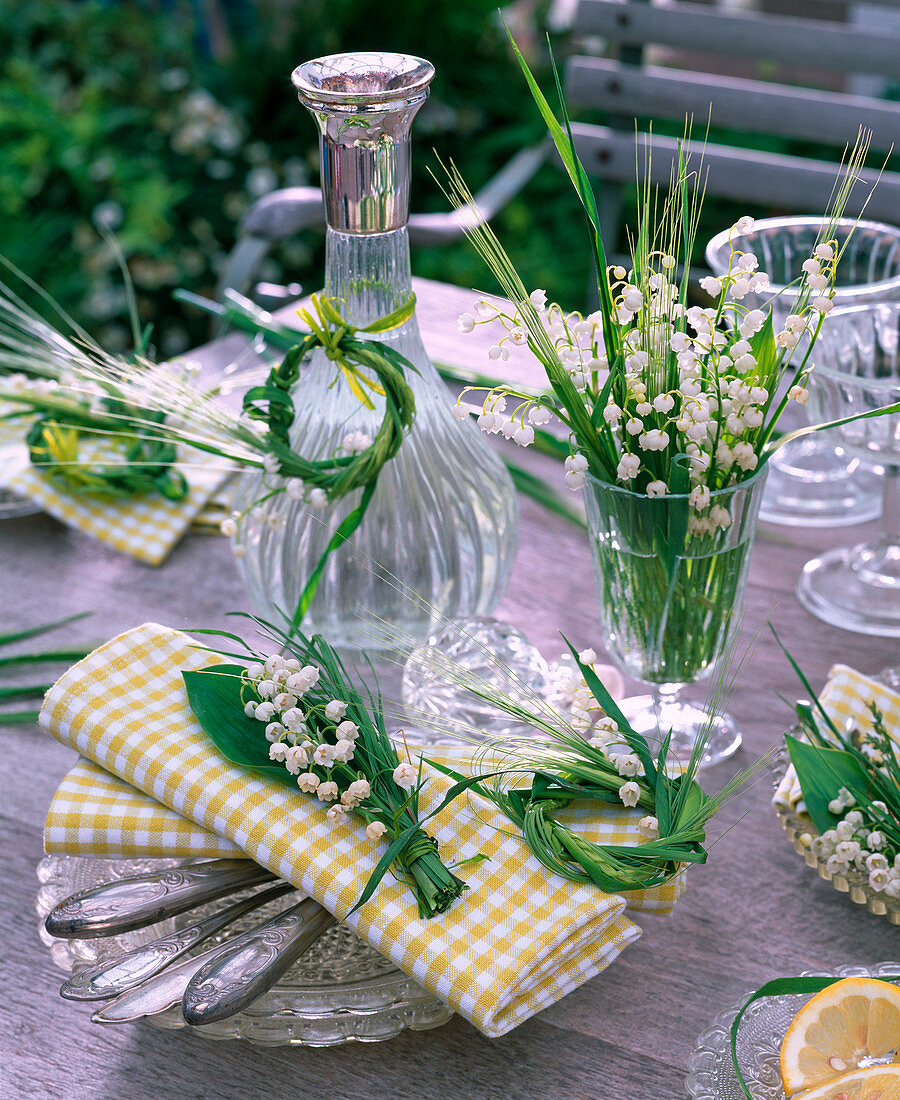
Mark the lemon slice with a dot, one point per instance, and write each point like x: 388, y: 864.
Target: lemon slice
x: 843, y: 1028
x: 874, y: 1083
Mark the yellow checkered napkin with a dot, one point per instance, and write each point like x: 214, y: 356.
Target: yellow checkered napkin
x: 846, y: 699
x: 513, y: 944
x: 95, y: 814
x: 146, y: 527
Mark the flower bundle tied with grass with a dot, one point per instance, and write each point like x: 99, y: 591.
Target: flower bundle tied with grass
x: 296, y: 717
x: 850, y: 783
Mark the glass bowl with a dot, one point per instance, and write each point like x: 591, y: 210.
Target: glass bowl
x: 339, y: 991
x: 799, y: 829
x: 710, y: 1071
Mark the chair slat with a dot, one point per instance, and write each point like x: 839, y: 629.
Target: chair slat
x: 810, y: 42
x: 748, y: 105
x: 765, y: 178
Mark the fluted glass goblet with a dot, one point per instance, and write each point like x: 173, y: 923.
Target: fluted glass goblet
x: 815, y: 481
x: 858, y: 369
x: 671, y: 585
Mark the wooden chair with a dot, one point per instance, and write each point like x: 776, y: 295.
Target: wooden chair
x: 632, y: 92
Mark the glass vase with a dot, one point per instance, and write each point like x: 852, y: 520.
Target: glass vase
x: 671, y: 582
x: 439, y: 534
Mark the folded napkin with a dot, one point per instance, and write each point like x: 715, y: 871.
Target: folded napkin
x: 846, y: 699
x: 515, y: 942
x: 146, y: 527
x: 95, y: 814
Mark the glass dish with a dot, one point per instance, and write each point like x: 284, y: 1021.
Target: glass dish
x: 710, y: 1072
x: 339, y: 991
x: 12, y: 506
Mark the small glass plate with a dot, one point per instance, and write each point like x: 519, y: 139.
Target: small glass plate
x: 710, y: 1072
x: 339, y: 991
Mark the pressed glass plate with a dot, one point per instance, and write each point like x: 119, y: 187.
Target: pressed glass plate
x: 340, y: 990
x: 710, y: 1071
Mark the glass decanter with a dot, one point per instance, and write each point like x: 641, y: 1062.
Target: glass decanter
x: 439, y: 534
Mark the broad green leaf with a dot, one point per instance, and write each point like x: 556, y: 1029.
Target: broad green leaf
x: 215, y: 697
x: 822, y: 773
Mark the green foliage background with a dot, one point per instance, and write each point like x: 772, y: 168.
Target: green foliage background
x: 165, y: 125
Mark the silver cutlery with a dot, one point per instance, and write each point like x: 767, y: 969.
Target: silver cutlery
x: 245, y: 967
x: 211, y: 986
x: 234, y: 979
x: 129, y: 903
x: 154, y: 995
x: 110, y: 978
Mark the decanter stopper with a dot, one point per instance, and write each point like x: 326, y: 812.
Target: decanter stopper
x: 364, y: 104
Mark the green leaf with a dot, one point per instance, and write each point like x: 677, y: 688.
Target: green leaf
x: 215, y: 697
x: 49, y: 657
x: 399, y: 317
x: 777, y: 988
x: 44, y: 628
x: 635, y: 741
x: 345, y: 529
x: 799, y: 433
x: 20, y: 717
x: 822, y: 773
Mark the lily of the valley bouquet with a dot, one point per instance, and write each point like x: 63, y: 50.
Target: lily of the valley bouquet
x: 659, y: 396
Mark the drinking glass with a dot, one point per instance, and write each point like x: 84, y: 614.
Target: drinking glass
x: 671, y: 585
x: 815, y: 481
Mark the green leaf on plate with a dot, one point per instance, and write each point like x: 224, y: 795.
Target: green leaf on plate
x: 215, y: 697
x: 822, y: 773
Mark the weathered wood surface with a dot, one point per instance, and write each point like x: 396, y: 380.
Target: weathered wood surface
x: 754, y: 912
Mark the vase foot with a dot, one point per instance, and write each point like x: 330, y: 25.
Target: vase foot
x: 687, y: 723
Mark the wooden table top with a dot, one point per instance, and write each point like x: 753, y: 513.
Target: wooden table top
x: 752, y: 913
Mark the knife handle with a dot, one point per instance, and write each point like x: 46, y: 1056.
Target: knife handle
x: 129, y: 903
x: 252, y: 963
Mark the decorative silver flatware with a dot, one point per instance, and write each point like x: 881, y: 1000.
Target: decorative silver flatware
x: 244, y: 968
x: 110, y: 978
x: 129, y: 903
x: 155, y: 995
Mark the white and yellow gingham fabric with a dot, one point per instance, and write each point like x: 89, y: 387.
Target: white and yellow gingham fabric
x: 146, y: 527
x: 515, y: 942
x: 95, y: 814
x: 846, y: 699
